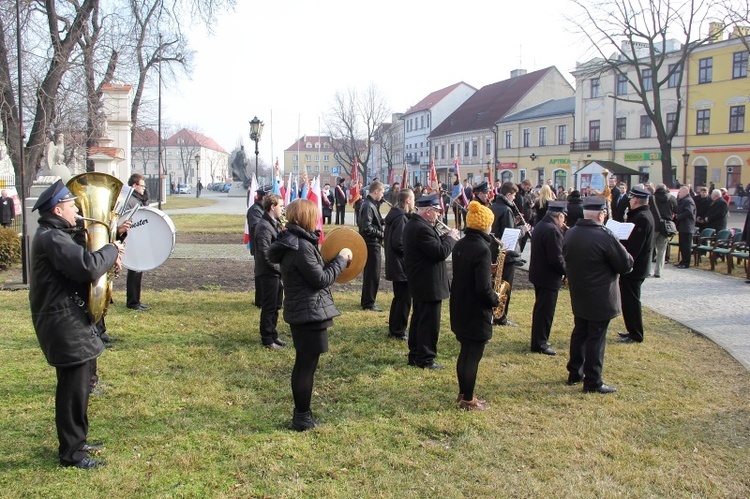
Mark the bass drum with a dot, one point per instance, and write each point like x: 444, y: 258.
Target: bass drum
x: 150, y: 240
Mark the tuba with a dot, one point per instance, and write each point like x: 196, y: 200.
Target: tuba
x: 97, y: 194
x: 500, y: 286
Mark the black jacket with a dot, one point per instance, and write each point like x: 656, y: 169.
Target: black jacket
x: 620, y: 207
x: 505, y: 218
x: 395, y: 221
x: 640, y: 243
x: 340, y: 195
x: 685, y: 215
x: 575, y: 211
x: 254, y: 214
x: 547, y: 265
x: 306, y: 278
x: 370, y: 222
x: 716, y: 215
x: 425, y: 252
x: 7, y: 210
x: 327, y: 208
x: 593, y: 260
x: 266, y: 232
x: 62, y: 270
x: 472, y: 296
x: 665, y: 205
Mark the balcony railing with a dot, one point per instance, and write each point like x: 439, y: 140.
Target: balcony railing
x: 591, y: 145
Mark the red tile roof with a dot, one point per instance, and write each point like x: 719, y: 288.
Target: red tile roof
x: 145, y: 137
x: 187, y: 137
x: 433, y: 98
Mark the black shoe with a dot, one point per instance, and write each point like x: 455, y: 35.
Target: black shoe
x: 107, y: 338
x: 434, y: 366
x: 85, y: 464
x: 280, y: 342
x: 273, y: 346
x: 140, y: 307
x: 302, y: 421
x: 600, y: 389
x: 506, y: 322
x: 92, y: 447
x: 657, y: 276
x: 682, y: 266
x: 411, y: 362
x: 545, y: 351
x: 623, y: 334
x: 573, y: 380
x: 520, y: 263
x: 401, y: 337
x: 374, y: 308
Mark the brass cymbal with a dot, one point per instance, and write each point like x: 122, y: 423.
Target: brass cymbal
x: 344, y: 237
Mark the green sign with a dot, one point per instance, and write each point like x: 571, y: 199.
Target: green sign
x: 559, y: 161
x: 640, y: 156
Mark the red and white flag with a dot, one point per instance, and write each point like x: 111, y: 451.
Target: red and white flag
x: 313, y: 194
x: 433, y: 175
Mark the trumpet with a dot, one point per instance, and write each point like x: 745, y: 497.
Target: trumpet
x: 443, y: 229
x: 384, y: 200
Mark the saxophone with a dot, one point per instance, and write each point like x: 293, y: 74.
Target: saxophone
x: 500, y: 286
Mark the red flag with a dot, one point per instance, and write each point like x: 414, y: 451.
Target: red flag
x: 354, y: 191
x: 490, y: 181
x: 313, y: 194
x: 405, y: 177
x: 433, y: 175
x: 390, y: 177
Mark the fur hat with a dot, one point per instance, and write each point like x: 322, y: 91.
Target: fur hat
x: 479, y: 217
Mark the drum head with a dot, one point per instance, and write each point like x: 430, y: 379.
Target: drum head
x: 150, y: 240
x: 335, y: 241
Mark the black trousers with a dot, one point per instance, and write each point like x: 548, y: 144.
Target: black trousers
x: 424, y: 331
x: 541, y: 320
x: 71, y: 411
x: 133, y: 288
x: 258, y: 292
x: 630, y: 298
x: 457, y: 216
x: 509, y: 273
x: 340, y: 212
x: 398, y: 317
x: 270, y: 303
x: 467, y: 367
x: 327, y: 217
x: 685, y: 240
x: 371, y: 276
x: 587, y: 351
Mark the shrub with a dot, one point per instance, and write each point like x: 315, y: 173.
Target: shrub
x: 10, y: 247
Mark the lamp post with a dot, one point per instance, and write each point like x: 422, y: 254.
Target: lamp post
x: 197, y: 174
x: 685, y: 158
x: 256, y: 128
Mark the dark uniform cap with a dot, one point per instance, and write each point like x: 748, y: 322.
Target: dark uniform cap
x: 428, y: 201
x: 557, y: 207
x: 55, y: 193
x: 639, y: 192
x: 483, y: 187
x: 594, y: 203
x: 263, y: 190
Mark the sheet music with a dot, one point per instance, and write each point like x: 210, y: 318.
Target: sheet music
x: 510, y: 238
x: 621, y: 230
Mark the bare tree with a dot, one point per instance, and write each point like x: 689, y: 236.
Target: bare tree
x: 352, y: 123
x: 638, y: 31
x: 737, y: 14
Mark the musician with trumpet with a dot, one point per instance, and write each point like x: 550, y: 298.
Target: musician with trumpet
x: 370, y: 224
x: 61, y: 274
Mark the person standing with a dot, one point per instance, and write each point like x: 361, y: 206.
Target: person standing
x: 717, y: 213
x: 327, y: 203
x: 481, y: 194
x: 370, y: 224
x: 640, y: 246
x: 395, y: 269
x: 593, y: 260
x: 254, y: 214
x: 198, y: 189
x: 524, y: 203
x: 665, y: 208
x: 135, y: 278
x: 471, y: 301
x: 268, y: 274
x: 308, y: 303
x: 340, y: 195
x: 685, y: 220
x: 7, y: 209
x: 425, y: 252
x: 61, y: 273
x: 546, y: 272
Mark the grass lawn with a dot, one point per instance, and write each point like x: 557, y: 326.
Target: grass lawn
x: 194, y: 407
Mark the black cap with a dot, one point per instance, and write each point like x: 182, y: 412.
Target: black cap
x: 428, y: 201
x: 483, y: 187
x: 263, y: 190
x: 557, y: 207
x: 52, y: 195
x: 594, y: 203
x: 639, y: 192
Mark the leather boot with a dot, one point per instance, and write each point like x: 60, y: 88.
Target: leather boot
x: 474, y: 405
x: 302, y: 421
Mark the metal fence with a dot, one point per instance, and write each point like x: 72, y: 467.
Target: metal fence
x: 8, y: 182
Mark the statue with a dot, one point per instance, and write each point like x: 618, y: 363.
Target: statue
x: 239, y: 168
x: 55, y: 159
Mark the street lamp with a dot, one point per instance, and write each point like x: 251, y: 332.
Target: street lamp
x: 256, y: 128
x: 197, y: 174
x: 685, y: 158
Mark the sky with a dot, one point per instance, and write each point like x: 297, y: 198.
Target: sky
x: 284, y: 61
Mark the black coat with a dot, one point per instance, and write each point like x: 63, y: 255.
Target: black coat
x: 327, y: 208
x: 340, y: 195
x: 575, y: 211
x: 593, y: 260
x: 620, y: 207
x: 254, y: 214
x: 266, y: 232
x: 684, y: 217
x: 665, y: 205
x: 62, y: 269
x: 640, y: 243
x: 7, y: 210
x: 425, y: 252
x: 395, y: 221
x: 472, y: 295
x: 306, y: 278
x: 716, y: 215
x: 547, y: 265
x: 370, y: 221
x: 505, y: 218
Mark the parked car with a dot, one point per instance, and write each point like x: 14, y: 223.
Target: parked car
x: 227, y: 186
x: 183, y: 189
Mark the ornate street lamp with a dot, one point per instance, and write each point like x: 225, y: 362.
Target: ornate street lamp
x: 256, y: 128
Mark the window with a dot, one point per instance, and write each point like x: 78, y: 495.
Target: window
x: 474, y: 148
x: 737, y: 117
x: 436, y: 151
x: 294, y: 157
x: 526, y: 136
x: 442, y: 151
x: 317, y: 158
x: 466, y: 149
x: 594, y: 130
x: 421, y: 122
x: 648, y: 80
x: 508, y: 139
x: 705, y: 70
x: 622, y: 85
x: 645, y: 126
x: 453, y: 150
x: 562, y: 135
x: 620, y: 128
x: 326, y: 157
x: 325, y: 168
x: 703, y: 122
x: 674, y: 74
x: 595, y: 87
x: 739, y: 65
x: 428, y: 121
x: 671, y: 121
x: 542, y: 135
x: 308, y: 157
x: 488, y: 147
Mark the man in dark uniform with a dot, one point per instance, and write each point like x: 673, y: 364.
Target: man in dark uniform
x: 620, y: 203
x: 523, y: 204
x: 135, y: 278
x: 482, y: 194
x: 684, y: 218
x: 370, y: 224
x: 395, y: 270
x: 254, y: 214
x: 425, y: 252
x: 61, y: 273
x: 640, y: 245
x: 593, y: 260
x: 340, y: 195
x: 546, y: 271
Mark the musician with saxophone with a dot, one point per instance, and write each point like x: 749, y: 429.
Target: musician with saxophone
x: 546, y: 272
x: 61, y: 274
x: 471, y: 301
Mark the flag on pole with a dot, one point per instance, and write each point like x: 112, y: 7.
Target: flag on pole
x: 490, y: 181
x: 355, y: 191
x: 276, y: 180
x: 293, y: 195
x: 313, y: 194
x: 405, y: 177
x: 305, y: 186
x: 251, y: 195
x: 457, y: 171
x: 433, y: 175
x: 288, y: 190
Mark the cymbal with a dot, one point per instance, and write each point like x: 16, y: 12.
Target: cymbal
x: 344, y: 237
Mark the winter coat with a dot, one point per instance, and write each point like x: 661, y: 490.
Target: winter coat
x: 575, y: 210
x: 640, y: 243
x: 547, y: 266
x: 61, y: 273
x: 395, y: 221
x: 7, y: 210
x: 685, y: 215
x: 505, y: 218
x: 665, y: 205
x: 306, y: 278
x: 266, y: 232
x: 425, y: 252
x: 370, y: 222
x: 254, y: 213
x: 717, y: 215
x: 471, y: 295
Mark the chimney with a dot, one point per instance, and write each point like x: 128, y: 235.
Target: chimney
x: 740, y: 32
x: 517, y: 72
x: 716, y: 31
